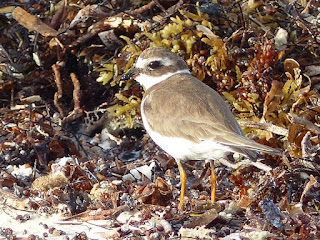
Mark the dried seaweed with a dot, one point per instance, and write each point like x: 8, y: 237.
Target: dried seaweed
x: 70, y: 130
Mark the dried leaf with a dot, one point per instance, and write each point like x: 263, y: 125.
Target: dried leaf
x: 204, y: 219
x: 272, y: 100
x: 308, y: 186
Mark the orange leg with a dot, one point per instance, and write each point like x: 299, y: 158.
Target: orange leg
x: 213, y: 182
x: 183, y: 180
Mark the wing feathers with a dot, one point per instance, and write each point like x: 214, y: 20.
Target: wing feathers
x: 174, y: 110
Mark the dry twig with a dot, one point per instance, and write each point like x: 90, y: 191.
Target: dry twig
x: 259, y: 165
x: 304, y: 122
x: 77, y: 111
x: 142, y: 9
x: 265, y: 126
x: 76, y: 91
x: 58, y: 94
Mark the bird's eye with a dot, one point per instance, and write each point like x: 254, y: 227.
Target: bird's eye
x: 154, y: 64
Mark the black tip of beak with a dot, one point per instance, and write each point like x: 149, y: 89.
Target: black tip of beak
x: 128, y: 75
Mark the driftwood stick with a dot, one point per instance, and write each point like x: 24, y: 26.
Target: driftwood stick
x: 265, y: 126
x: 304, y: 122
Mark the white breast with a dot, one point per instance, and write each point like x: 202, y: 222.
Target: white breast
x: 184, y: 149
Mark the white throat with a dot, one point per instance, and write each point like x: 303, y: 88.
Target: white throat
x: 148, y: 81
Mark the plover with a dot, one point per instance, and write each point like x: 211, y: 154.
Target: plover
x: 185, y: 117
